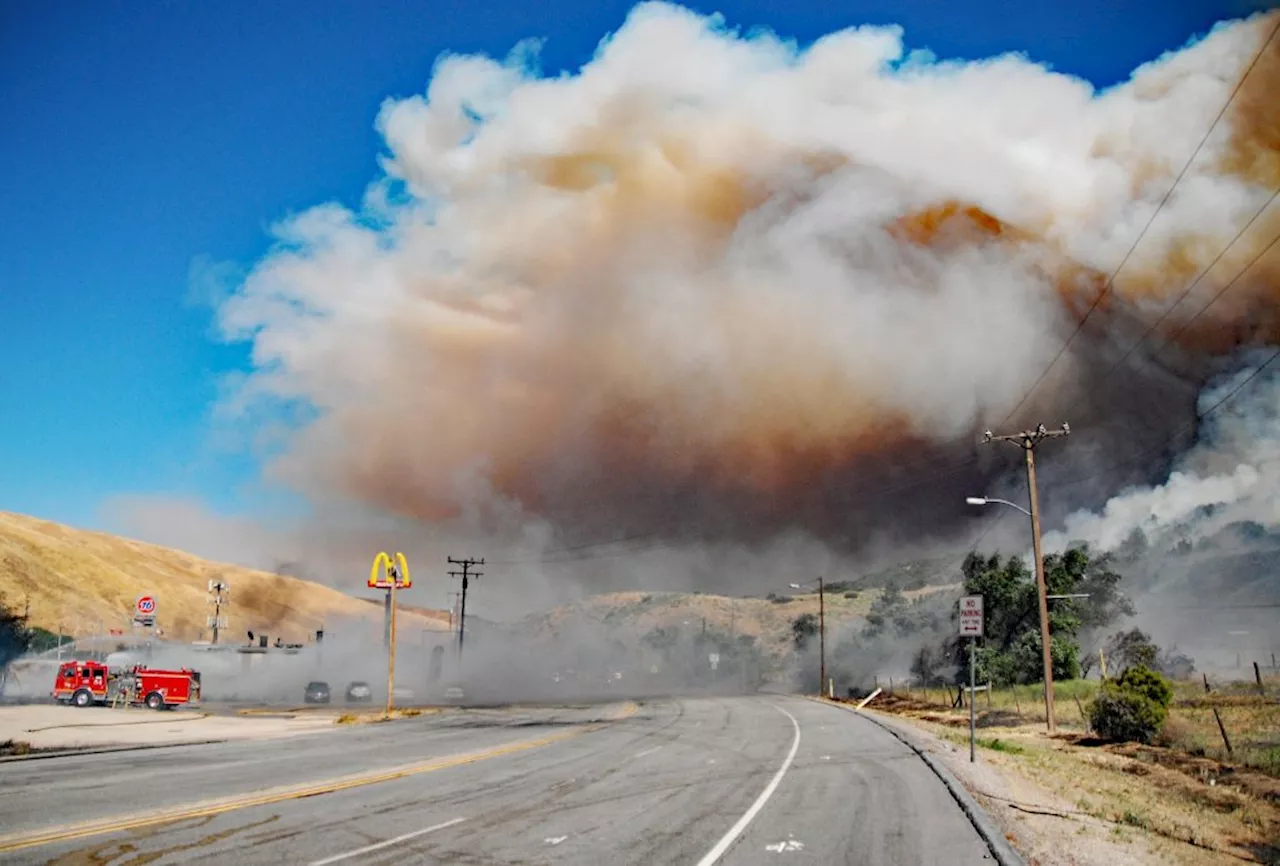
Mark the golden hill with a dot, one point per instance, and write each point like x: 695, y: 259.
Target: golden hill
x: 87, y: 582
x: 628, y: 616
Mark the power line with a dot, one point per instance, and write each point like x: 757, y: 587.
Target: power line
x: 1190, y: 288
x: 1268, y: 248
x: 1189, y: 426
x: 1185, y: 428
x: 656, y: 540
x: 1106, y: 288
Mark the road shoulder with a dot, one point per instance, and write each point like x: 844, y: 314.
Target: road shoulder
x: 1044, y: 828
x: 45, y: 728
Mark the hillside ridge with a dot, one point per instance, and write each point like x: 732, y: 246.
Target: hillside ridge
x: 84, y: 581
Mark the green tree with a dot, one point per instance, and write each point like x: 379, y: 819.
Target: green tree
x: 1125, y: 649
x: 42, y: 639
x: 1011, y: 648
x: 15, y: 637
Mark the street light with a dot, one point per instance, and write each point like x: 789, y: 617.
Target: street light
x: 822, y: 635
x: 1041, y: 592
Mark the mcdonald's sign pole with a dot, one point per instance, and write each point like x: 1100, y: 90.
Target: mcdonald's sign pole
x: 390, y: 574
x: 391, y: 652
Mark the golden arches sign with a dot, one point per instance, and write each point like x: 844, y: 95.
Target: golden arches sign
x: 387, y: 569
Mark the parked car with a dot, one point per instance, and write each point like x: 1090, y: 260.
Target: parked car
x: 317, y: 693
x: 358, y: 692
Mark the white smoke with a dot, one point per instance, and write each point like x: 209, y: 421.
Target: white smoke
x: 1229, y: 476
x: 708, y: 268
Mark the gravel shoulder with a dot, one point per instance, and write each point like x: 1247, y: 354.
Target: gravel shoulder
x: 1061, y: 804
x: 1044, y: 828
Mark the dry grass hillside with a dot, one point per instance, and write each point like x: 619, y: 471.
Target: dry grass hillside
x: 87, y: 581
x: 631, y: 615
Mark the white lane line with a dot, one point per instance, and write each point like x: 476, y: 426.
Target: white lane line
x: 387, y: 844
x: 736, y: 830
x: 647, y: 752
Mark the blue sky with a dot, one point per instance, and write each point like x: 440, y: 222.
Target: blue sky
x: 139, y: 138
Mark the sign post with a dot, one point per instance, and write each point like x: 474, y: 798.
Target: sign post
x: 144, y: 611
x: 390, y: 574
x: 971, y: 627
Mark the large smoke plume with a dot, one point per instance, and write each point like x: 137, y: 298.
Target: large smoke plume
x: 715, y: 287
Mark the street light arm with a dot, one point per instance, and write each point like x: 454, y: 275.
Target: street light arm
x: 987, y: 500
x: 1011, y: 505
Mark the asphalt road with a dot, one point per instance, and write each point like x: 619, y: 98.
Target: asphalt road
x: 718, y: 780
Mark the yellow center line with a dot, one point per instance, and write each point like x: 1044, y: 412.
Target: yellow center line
x: 65, y: 833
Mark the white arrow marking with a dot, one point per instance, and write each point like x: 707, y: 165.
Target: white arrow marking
x: 554, y: 840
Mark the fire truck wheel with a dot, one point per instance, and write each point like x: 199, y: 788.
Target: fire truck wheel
x: 155, y: 701
x: 82, y: 698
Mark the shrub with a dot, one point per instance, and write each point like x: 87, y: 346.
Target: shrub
x: 1147, y: 683
x: 1121, y: 716
x: 1132, y: 708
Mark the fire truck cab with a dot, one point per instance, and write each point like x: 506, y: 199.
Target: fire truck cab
x: 87, y: 683
x: 81, y: 683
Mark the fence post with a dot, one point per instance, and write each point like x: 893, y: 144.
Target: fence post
x: 1088, y: 728
x: 1257, y: 675
x: 1222, y: 729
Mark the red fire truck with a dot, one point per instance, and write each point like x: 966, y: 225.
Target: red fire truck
x: 87, y: 683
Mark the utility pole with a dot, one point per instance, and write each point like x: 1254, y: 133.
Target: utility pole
x: 822, y: 634
x: 466, y: 574
x: 217, y: 597
x: 822, y: 639
x: 1028, y: 440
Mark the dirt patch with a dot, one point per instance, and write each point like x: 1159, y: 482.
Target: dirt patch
x: 381, y: 716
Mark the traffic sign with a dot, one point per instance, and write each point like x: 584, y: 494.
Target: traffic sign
x: 145, y: 605
x: 971, y: 616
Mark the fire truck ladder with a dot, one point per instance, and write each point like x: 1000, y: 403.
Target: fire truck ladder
x: 123, y: 696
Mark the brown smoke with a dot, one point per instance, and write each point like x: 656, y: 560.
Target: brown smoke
x: 687, y: 311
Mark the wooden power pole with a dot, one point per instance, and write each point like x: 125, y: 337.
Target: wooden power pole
x: 822, y: 640
x: 466, y: 574
x: 1028, y: 440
